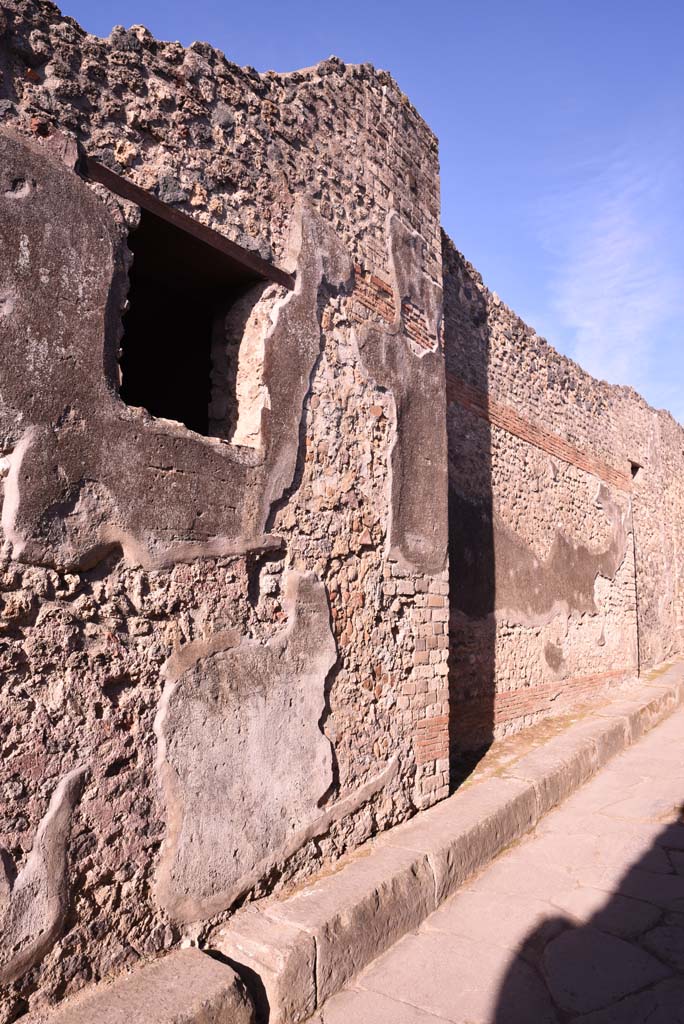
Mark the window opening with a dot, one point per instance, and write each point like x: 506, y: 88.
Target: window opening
x: 184, y: 279
x: 176, y: 293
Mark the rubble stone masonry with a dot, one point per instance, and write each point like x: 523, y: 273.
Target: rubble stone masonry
x: 556, y: 482
x: 152, y: 550
x: 225, y: 652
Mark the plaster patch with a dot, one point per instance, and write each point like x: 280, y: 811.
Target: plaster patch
x: 531, y: 592
x: 238, y: 393
x: 418, y: 520
x: 141, y: 477
x: 32, y: 910
x: 242, y: 760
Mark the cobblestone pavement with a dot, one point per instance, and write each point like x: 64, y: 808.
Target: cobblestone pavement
x: 582, y: 921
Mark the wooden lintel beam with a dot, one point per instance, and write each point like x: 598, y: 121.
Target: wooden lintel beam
x: 97, y: 172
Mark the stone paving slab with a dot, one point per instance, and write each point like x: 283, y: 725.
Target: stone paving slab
x: 442, y: 975
x: 582, y: 922
x: 302, y: 949
x: 343, y: 1010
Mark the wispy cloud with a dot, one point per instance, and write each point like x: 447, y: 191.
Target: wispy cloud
x: 612, y: 232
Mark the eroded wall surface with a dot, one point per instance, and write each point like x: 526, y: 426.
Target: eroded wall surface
x: 223, y: 660
x: 222, y: 664
x: 548, y: 605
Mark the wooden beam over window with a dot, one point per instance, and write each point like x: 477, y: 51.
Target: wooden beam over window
x: 244, y: 263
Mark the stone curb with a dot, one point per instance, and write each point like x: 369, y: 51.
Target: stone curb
x: 185, y: 987
x: 297, y: 952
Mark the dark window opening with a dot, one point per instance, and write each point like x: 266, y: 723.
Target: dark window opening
x: 184, y: 279
x: 179, y: 287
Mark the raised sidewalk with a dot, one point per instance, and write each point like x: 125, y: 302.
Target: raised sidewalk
x: 293, y: 953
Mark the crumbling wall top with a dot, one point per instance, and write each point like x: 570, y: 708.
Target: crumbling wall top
x: 222, y: 142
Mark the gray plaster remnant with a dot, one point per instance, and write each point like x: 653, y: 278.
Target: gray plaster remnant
x: 418, y: 519
x: 295, y: 343
x: 89, y: 473
x: 242, y: 759
x: 317, y: 827
x: 533, y: 591
x: 238, y: 393
x: 32, y: 908
x: 263, y: 330
x: 517, y: 584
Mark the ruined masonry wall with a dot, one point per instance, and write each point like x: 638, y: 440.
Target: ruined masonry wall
x: 98, y: 654
x: 547, y: 607
x: 223, y: 666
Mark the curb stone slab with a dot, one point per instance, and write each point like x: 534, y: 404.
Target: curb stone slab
x: 277, y: 961
x: 297, y: 952
x: 306, y: 948
x: 461, y: 836
x: 185, y: 987
x: 360, y: 911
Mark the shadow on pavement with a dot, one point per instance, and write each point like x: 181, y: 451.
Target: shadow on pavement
x: 624, y: 965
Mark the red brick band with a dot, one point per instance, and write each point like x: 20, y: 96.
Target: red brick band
x: 510, y: 705
x: 378, y: 296
x: 373, y: 293
x: 503, y: 416
x: 432, y: 739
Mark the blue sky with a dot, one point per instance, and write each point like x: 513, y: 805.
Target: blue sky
x: 561, y: 127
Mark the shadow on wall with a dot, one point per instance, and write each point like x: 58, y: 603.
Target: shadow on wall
x: 471, y: 534
x: 625, y: 965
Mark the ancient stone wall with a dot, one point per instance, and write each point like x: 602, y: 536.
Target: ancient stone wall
x: 223, y: 658
x: 547, y: 508
x: 222, y: 664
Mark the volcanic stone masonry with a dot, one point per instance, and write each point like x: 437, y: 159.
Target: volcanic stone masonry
x: 245, y: 507
x: 566, y: 516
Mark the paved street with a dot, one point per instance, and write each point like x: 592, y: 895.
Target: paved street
x: 582, y: 921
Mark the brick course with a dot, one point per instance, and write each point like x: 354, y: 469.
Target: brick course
x: 505, y: 417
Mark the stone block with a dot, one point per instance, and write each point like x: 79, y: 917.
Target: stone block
x: 557, y: 768
x: 463, y: 833
x: 644, y: 712
x: 185, y: 987
x: 277, y: 962
x: 357, y: 913
x: 610, y: 736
